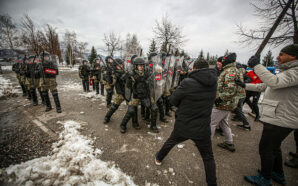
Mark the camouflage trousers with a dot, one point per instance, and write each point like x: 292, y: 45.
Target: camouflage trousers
x: 118, y: 99
x: 97, y: 80
x: 135, y: 102
x: 22, y: 80
x: 32, y: 84
x: 48, y: 84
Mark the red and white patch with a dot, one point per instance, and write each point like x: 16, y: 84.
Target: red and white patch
x: 157, y: 77
x: 128, y: 61
x: 232, y: 75
x: 50, y: 71
x: 171, y: 72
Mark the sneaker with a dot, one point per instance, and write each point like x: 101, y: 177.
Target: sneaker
x: 278, y: 178
x: 157, y: 162
x: 229, y: 147
x: 258, y: 180
x: 294, y: 155
x: 245, y: 127
x: 292, y: 163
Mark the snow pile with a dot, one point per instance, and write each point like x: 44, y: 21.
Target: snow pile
x: 74, y: 162
x: 93, y: 96
x: 6, y: 88
x: 75, y: 68
x: 8, y: 68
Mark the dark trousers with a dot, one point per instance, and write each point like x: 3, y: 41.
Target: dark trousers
x: 296, y: 139
x: 269, y: 149
x: 85, y: 85
x: 205, y: 148
x: 254, y: 104
x: 239, y: 112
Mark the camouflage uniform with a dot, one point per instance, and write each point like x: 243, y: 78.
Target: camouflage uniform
x: 84, y: 73
x: 138, y: 82
x: 107, y: 81
x: 34, y: 81
x: 97, y: 74
x: 228, y: 95
x: 49, y: 70
x: 17, y: 69
x: 119, y: 84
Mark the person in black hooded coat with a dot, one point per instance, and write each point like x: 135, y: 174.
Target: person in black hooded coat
x: 194, y: 98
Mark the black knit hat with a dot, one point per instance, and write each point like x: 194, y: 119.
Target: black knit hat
x: 229, y: 58
x: 200, y: 63
x: 291, y: 50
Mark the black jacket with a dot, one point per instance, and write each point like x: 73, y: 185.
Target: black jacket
x: 195, y: 98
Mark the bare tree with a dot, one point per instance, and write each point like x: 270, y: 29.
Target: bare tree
x: 268, y: 11
x: 132, y: 45
x: 112, y: 42
x: 9, y: 35
x: 166, y: 33
x: 82, y: 48
x: 70, y: 40
x: 30, y: 35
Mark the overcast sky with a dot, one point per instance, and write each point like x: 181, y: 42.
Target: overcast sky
x: 207, y: 25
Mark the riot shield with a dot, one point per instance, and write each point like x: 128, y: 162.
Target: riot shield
x: 128, y: 70
x: 178, y: 65
x: 158, y: 79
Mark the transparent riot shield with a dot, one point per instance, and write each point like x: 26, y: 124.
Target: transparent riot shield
x: 158, y: 79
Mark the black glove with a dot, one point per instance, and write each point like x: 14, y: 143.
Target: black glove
x: 253, y: 61
x: 240, y: 83
x: 217, y: 101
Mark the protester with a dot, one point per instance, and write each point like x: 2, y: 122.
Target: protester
x: 279, y: 112
x: 194, y: 99
x: 227, y: 98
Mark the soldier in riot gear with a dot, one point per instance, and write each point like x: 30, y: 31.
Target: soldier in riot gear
x: 34, y: 81
x: 26, y: 72
x: 96, y: 72
x: 17, y: 69
x: 140, y: 93
x: 107, y: 79
x: 119, y: 78
x: 84, y: 73
x: 49, y: 70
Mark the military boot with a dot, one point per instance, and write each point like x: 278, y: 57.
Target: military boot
x: 24, y: 90
x: 143, y: 112
x: 109, y: 97
x: 127, y: 116
x: 41, y: 96
x: 47, y: 100
x: 161, y: 110
x: 57, y: 102
x: 102, y: 89
x: 242, y: 117
x: 135, y: 122
x: 153, y: 126
x: 109, y: 114
x: 168, y: 107
x: 34, y: 96
x: 29, y: 96
x: 97, y: 88
x: 84, y: 86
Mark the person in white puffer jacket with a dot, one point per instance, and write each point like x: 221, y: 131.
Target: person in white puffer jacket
x: 279, y: 112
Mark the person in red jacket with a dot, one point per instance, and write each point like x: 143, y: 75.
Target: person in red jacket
x: 255, y: 95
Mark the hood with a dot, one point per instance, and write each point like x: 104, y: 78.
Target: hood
x: 206, y: 76
x: 288, y: 65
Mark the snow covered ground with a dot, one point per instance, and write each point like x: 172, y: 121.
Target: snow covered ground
x: 6, y: 87
x: 8, y: 68
x: 74, y: 162
x: 75, y: 68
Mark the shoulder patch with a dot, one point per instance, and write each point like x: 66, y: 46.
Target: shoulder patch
x: 232, y: 75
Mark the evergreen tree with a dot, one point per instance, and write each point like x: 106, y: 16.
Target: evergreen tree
x: 93, y: 55
x: 201, y: 55
x: 268, y: 59
x: 207, y: 57
x: 152, y: 47
x: 227, y: 51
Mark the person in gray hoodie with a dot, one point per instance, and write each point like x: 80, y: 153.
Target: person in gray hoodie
x: 279, y: 112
